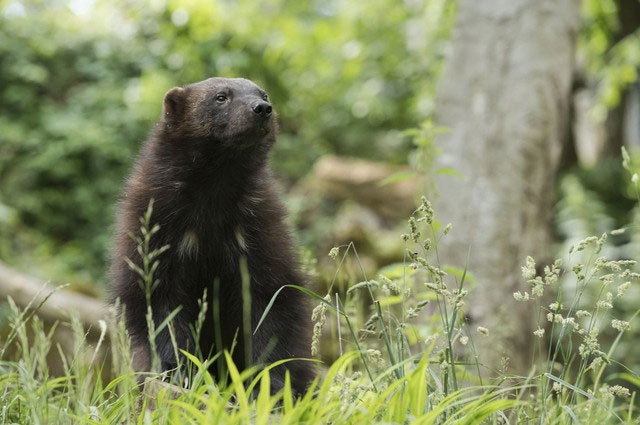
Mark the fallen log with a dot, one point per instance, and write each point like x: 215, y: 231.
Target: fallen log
x: 61, y: 304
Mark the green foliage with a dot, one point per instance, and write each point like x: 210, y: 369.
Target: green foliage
x: 82, y: 83
x: 612, y: 57
x: 598, y: 201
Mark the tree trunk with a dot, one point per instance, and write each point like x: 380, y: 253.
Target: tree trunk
x: 504, y: 99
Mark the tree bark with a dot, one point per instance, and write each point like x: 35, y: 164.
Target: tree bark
x: 505, y: 100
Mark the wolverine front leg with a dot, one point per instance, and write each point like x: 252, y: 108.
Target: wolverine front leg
x: 283, y: 335
x: 176, y: 335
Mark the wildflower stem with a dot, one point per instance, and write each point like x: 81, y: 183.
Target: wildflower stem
x: 355, y: 340
x: 383, y: 326
x: 596, y: 382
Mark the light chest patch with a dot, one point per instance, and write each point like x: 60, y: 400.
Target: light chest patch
x: 242, y: 243
x: 189, y: 244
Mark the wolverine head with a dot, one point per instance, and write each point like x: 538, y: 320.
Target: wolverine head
x: 227, y: 113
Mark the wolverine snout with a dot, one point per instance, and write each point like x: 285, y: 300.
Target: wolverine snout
x: 262, y: 108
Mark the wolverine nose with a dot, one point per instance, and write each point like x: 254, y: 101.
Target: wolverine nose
x: 262, y: 108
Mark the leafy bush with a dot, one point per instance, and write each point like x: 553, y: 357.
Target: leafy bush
x: 82, y: 85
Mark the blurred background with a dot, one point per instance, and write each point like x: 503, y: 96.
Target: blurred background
x: 510, y: 118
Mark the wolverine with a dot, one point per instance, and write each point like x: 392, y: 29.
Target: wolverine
x: 205, y: 168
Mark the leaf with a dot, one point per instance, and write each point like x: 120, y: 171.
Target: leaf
x: 486, y: 408
x: 275, y: 364
x: 238, y: 385
x: 570, y: 412
x: 263, y: 403
x: 449, y: 172
x: 193, y: 358
x: 287, y: 394
x: 630, y: 378
x: 581, y: 392
x: 626, y: 159
x: 391, y: 300
x: 301, y: 289
x: 418, y: 387
x: 396, y: 271
x: 397, y: 177
x: 168, y: 319
x: 196, y: 415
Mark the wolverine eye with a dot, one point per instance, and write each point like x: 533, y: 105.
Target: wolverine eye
x: 220, y: 98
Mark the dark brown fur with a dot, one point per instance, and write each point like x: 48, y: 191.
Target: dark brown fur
x: 205, y: 167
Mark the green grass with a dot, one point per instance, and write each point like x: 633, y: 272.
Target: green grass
x: 406, y: 353
x: 341, y: 395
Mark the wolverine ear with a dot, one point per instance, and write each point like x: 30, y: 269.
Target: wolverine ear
x: 174, y: 102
